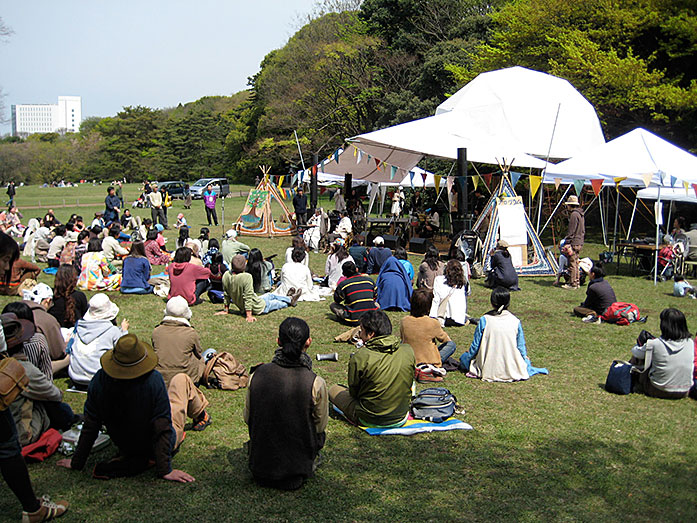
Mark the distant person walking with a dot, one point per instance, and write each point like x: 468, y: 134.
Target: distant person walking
x: 209, y: 198
x: 300, y: 206
x: 575, y: 236
x: 11, y: 191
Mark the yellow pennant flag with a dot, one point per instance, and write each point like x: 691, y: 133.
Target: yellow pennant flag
x: 687, y: 187
x: 647, y: 178
x: 535, y: 182
x: 557, y: 183
x: 355, y: 151
x: 475, y: 181
x: 618, y: 181
x: 280, y: 180
x: 436, y: 180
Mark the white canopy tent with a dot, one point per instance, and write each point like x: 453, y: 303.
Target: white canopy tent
x: 544, y: 114
x: 668, y: 194
x: 641, y: 158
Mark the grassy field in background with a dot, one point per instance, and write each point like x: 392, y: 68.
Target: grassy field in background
x: 555, y: 447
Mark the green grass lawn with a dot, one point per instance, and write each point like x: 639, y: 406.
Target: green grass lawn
x: 556, y: 447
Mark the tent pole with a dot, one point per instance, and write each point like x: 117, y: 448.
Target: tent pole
x: 670, y: 210
x: 602, y: 218
x: 658, y: 209
x: 631, y: 221
x: 544, y: 171
x: 373, y: 195
x: 302, y: 160
x: 568, y: 188
x: 617, y: 206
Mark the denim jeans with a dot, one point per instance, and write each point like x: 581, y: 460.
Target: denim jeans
x: 274, y: 302
x: 446, y: 350
x: 137, y: 290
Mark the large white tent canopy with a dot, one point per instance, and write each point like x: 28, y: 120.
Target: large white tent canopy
x: 544, y: 114
x: 668, y: 194
x: 503, y: 116
x: 639, y: 156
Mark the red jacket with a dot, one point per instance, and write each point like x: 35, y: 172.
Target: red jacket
x: 182, y: 280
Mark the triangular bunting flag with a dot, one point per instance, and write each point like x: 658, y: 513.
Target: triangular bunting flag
x: 355, y: 151
x: 314, y: 170
x: 535, y: 182
x: 377, y: 163
x: 411, y: 178
x: 321, y: 166
x: 557, y: 183
x: 694, y: 187
x: 449, y: 183
x: 597, y: 185
x: 619, y: 180
x: 393, y: 171
x: 436, y: 180
x: 475, y: 181
x: 336, y: 156
x: 647, y: 179
x: 360, y: 156
x: 578, y: 186
x: 514, y: 178
x: 673, y: 179
x: 686, y: 185
x: 294, y: 179
x: 487, y: 179
x: 423, y: 177
x: 280, y: 180
x: 322, y: 190
x: 271, y: 177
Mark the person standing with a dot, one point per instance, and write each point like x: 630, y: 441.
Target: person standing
x: 209, y: 198
x: 119, y: 192
x: 300, y: 206
x: 166, y: 203
x: 187, y: 196
x: 339, y: 202
x: 156, y: 208
x: 11, y: 191
x: 113, y: 206
x: 575, y: 236
x: 397, y: 203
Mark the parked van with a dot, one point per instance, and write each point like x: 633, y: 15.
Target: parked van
x: 200, y: 186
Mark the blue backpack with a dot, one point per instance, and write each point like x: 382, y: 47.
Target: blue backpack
x: 434, y: 404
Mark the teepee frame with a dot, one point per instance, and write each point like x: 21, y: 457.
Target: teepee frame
x: 256, y: 218
x: 542, y: 263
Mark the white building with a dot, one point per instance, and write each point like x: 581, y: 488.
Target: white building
x: 47, y: 118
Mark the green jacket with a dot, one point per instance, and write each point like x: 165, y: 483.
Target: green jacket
x: 380, y: 376
x: 239, y: 289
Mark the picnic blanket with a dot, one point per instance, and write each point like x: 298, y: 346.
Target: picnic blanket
x: 50, y: 270
x: 414, y: 426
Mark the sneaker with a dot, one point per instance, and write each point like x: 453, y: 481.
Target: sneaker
x: 591, y: 318
x: 47, y: 511
x: 567, y: 286
x: 202, y: 422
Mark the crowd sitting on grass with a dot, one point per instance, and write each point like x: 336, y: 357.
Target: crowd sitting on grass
x: 144, y: 393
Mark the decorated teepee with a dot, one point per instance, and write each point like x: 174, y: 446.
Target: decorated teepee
x: 504, y: 217
x: 257, y: 219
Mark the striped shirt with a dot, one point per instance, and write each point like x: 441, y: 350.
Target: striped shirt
x: 358, y: 294
x: 36, y: 350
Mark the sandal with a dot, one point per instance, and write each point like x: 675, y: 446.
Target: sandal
x: 202, y: 422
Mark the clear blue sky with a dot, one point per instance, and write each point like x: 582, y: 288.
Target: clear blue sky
x: 154, y: 53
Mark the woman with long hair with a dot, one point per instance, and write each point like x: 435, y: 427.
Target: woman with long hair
x: 667, y: 362
x: 261, y: 271
x: 183, y: 237
x: 449, y: 304
x: 498, y: 351
x: 337, y: 257
x: 186, y: 279
x: 136, y: 271
x: 21, y: 269
x: 69, y: 304
x: 286, y: 410
x: 204, y: 238
x: 96, y: 273
x: 298, y: 243
x: 155, y: 255
x: 429, y: 268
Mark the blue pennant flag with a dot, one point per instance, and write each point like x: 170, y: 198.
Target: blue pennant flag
x: 578, y: 185
x: 411, y: 178
x: 336, y: 156
x: 393, y: 171
x: 673, y: 179
x: 515, y: 177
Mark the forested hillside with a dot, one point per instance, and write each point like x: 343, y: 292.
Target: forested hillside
x: 351, y: 71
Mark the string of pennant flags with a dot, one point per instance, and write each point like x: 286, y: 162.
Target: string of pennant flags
x: 477, y: 179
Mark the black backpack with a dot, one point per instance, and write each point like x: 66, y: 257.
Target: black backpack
x: 435, y: 404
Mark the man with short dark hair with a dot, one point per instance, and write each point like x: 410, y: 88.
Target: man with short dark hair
x: 113, y: 206
x: 380, y: 377
x: 300, y: 206
x: 358, y: 294
x: 599, y: 296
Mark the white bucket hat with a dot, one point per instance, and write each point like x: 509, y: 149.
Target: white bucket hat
x: 40, y: 292
x: 177, y: 307
x: 231, y: 233
x: 379, y: 240
x: 101, y: 308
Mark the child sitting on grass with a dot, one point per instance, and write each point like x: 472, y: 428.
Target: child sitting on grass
x: 682, y: 287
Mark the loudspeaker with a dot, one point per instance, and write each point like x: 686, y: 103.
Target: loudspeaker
x: 419, y: 245
x: 391, y: 241
x: 224, y: 190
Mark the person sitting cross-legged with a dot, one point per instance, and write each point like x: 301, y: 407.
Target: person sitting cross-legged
x: 498, y: 351
x: 425, y: 335
x: 286, y: 410
x: 599, y: 296
x: 380, y: 377
x: 354, y: 296
x: 143, y: 419
x: 238, y: 286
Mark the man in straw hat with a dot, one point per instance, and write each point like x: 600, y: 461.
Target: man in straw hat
x: 574, y: 237
x: 129, y: 397
x: 12, y: 464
